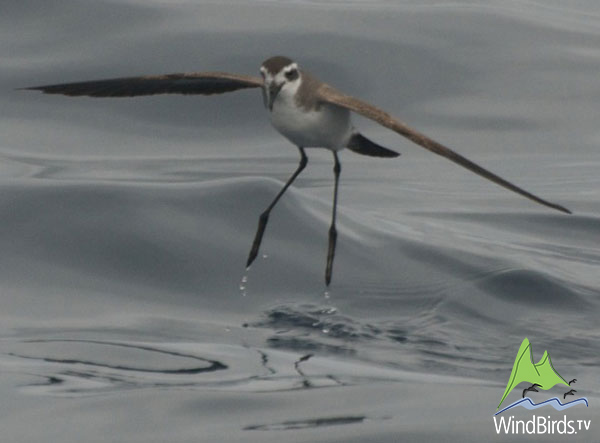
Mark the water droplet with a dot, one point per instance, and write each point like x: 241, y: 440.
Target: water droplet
x: 265, y: 256
x: 243, y: 285
x: 325, y: 331
x: 326, y: 294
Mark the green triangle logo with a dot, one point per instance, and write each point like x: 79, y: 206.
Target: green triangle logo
x: 541, y: 373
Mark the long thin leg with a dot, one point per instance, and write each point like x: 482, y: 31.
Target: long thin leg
x: 264, y: 217
x: 337, y: 168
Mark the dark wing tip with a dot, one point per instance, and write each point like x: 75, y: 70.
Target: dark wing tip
x: 561, y: 208
x: 70, y: 89
x: 50, y: 90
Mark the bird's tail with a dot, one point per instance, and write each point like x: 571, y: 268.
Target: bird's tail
x: 362, y: 145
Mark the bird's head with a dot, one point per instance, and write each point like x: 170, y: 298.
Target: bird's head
x: 281, y: 76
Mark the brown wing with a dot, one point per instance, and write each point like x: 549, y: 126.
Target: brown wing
x: 205, y: 83
x: 330, y: 95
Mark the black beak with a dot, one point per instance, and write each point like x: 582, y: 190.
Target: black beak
x: 271, y: 94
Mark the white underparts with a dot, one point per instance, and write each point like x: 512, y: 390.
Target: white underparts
x: 327, y: 126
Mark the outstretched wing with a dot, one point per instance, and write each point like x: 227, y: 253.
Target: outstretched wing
x: 205, y: 83
x: 328, y: 94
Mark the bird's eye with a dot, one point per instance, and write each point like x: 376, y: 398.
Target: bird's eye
x: 292, y: 75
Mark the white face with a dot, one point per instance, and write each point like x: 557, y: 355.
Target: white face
x: 284, y: 83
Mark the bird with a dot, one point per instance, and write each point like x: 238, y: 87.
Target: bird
x: 531, y: 388
x: 572, y: 381
x: 307, y: 111
x: 571, y: 392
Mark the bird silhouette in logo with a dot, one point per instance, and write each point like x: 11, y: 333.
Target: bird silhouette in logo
x: 531, y: 388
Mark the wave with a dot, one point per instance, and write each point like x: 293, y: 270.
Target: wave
x: 527, y: 403
x: 185, y: 244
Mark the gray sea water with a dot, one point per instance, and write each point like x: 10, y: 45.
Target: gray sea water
x: 126, y: 312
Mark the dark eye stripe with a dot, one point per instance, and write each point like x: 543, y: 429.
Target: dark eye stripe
x: 292, y: 75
